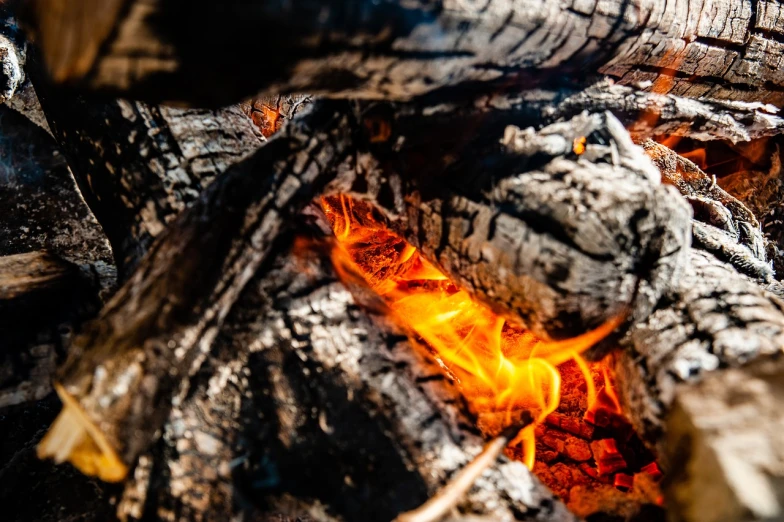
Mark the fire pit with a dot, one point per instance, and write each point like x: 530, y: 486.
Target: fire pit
x: 446, y: 261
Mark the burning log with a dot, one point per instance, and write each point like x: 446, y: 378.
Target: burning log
x: 500, y: 221
x: 398, y: 50
x: 341, y: 416
x: 123, y: 370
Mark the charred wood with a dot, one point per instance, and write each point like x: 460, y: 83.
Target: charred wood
x: 344, y: 419
x: 715, y: 318
x: 157, y: 328
x: 398, y: 50
x: 499, y: 218
x: 140, y: 165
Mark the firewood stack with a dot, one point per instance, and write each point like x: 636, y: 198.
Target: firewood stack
x: 216, y: 360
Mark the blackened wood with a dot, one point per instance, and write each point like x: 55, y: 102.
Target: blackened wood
x: 43, y: 212
x: 140, y: 165
x: 158, y: 326
x: 724, y: 225
x: 397, y: 50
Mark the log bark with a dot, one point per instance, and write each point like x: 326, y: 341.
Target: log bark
x: 343, y: 418
x: 158, y: 326
x: 140, y: 165
x: 501, y: 220
x: 398, y: 50
x: 714, y: 318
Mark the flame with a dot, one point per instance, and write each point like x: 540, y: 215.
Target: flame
x: 500, y: 368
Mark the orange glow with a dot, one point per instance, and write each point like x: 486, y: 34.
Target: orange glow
x: 500, y: 368
x: 606, y: 403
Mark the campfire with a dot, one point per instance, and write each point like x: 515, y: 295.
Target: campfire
x: 396, y: 261
x: 576, y: 421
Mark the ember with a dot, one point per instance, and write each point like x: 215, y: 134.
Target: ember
x: 579, y: 438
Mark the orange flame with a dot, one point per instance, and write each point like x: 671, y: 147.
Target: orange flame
x: 499, y: 367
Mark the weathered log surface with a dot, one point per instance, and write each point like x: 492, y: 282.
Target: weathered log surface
x: 715, y: 318
x: 158, y: 326
x: 397, y: 50
x: 43, y: 212
x: 343, y: 419
x: 727, y: 452
x: 647, y: 114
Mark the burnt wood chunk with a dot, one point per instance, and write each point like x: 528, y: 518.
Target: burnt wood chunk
x: 527, y: 221
x: 713, y: 319
x: 140, y: 165
x: 341, y: 418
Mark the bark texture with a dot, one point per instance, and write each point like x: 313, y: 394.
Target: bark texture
x: 558, y: 238
x: 140, y: 165
x: 714, y: 319
x: 398, y: 50
x: 158, y: 326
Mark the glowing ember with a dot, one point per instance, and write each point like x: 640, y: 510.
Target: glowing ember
x: 501, y: 368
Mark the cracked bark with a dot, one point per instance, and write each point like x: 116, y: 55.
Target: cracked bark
x: 158, y: 326
x: 397, y: 50
x: 714, y: 318
x: 500, y: 220
x: 140, y: 165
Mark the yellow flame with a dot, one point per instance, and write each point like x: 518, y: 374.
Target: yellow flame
x: 499, y: 366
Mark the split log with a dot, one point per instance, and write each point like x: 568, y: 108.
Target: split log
x: 158, y: 326
x: 344, y: 419
x: 398, y: 50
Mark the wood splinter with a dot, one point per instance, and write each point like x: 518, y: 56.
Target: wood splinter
x: 450, y: 495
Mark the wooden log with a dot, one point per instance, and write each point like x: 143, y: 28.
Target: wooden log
x: 727, y: 453
x: 714, y: 318
x: 51, y: 229
x: 398, y: 50
x: 24, y: 276
x: 503, y: 221
x: 724, y: 438
x: 343, y: 420
x: 123, y: 369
